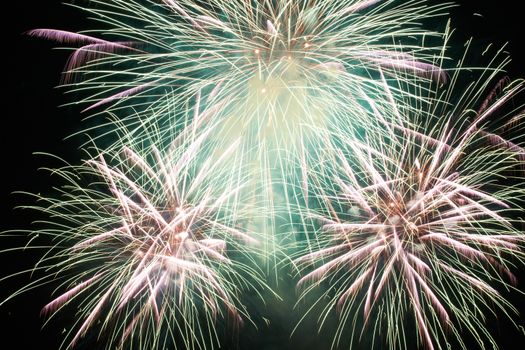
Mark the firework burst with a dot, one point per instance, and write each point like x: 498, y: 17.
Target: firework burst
x: 152, y: 253
x: 419, y: 225
x: 284, y: 61
x: 276, y: 74
x: 259, y: 108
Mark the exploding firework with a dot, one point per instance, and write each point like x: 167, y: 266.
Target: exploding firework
x: 275, y: 74
x: 268, y: 65
x: 419, y: 225
x: 258, y: 95
x: 152, y: 253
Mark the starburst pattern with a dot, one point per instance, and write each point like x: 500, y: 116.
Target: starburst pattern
x: 290, y: 59
x: 421, y: 224
x: 276, y: 74
x: 152, y: 253
x: 332, y: 115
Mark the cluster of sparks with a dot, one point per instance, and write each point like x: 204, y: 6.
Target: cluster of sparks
x: 418, y: 223
x: 274, y: 74
x: 414, y: 219
x: 153, y: 248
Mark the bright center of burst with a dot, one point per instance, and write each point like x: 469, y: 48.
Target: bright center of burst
x: 397, y: 218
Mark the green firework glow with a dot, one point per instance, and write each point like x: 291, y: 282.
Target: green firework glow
x: 239, y: 142
x: 273, y: 76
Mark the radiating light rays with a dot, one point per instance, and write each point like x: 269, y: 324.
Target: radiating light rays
x: 152, y: 252
x: 268, y: 79
x: 276, y: 74
x: 226, y: 45
x: 271, y: 119
x: 422, y: 226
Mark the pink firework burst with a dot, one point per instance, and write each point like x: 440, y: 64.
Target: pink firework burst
x: 419, y: 226
x: 153, y: 251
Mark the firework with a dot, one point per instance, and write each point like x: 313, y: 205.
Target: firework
x: 275, y: 74
x: 419, y: 226
x: 152, y: 253
x: 260, y: 110
x: 286, y: 62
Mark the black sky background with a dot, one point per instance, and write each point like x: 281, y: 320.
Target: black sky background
x: 33, y: 122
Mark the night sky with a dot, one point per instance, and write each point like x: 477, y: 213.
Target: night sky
x: 33, y: 121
